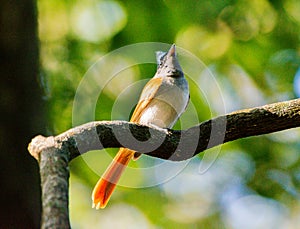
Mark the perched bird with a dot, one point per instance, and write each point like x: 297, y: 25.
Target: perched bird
x: 163, y: 99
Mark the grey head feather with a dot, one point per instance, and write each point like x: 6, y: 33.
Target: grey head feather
x: 160, y: 56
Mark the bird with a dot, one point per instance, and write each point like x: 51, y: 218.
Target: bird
x: 162, y: 101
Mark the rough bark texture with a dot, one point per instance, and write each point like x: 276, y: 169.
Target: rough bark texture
x: 54, y: 179
x: 54, y: 153
x: 180, y: 145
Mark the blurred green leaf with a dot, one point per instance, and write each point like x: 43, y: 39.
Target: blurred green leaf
x: 236, y: 54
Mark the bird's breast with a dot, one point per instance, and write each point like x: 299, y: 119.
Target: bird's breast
x: 167, y: 105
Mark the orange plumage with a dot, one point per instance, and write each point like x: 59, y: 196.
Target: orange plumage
x: 106, y: 185
x: 162, y: 101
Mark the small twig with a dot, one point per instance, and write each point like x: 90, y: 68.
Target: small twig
x: 54, y: 153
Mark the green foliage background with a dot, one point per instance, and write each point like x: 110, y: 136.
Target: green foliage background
x: 251, y: 48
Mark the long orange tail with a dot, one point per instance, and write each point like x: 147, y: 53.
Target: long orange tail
x: 107, y: 183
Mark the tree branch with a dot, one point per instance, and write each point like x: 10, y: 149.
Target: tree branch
x: 54, y: 153
x: 173, y: 144
x: 54, y: 171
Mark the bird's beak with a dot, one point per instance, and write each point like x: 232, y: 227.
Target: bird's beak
x: 172, y: 51
x: 172, y: 60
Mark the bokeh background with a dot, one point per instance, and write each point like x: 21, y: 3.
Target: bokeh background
x: 250, y: 47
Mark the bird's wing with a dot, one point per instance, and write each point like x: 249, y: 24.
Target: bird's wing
x: 147, y: 96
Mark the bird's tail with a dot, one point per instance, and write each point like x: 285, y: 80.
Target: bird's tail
x: 107, y: 183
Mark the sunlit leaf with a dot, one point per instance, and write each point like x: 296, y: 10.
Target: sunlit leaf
x: 205, y: 43
x: 97, y: 21
x: 249, y: 18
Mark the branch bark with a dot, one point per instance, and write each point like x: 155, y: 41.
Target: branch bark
x: 54, y: 153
